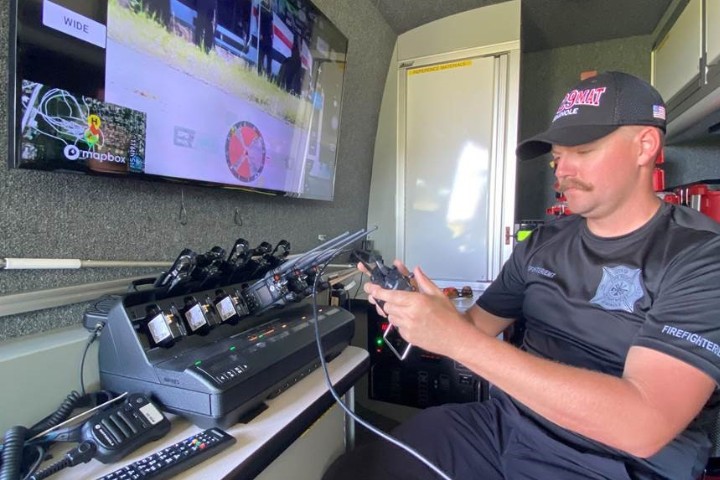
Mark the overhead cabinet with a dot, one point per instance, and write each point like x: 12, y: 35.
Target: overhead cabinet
x: 686, y: 69
x: 676, y: 59
x: 712, y: 12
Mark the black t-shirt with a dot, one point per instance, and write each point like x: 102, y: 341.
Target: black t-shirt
x: 586, y: 300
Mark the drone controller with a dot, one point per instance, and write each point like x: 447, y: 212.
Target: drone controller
x: 392, y: 279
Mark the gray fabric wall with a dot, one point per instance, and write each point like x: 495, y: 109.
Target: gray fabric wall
x: 692, y: 162
x: 53, y: 215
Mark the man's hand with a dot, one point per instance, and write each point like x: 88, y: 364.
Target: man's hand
x: 426, y: 318
x: 400, y: 267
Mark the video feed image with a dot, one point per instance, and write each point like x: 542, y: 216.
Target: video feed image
x: 61, y: 130
x: 236, y: 92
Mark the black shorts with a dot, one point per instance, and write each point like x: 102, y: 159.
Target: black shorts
x: 491, y: 440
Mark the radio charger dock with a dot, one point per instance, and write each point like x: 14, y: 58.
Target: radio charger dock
x: 216, y: 379
x: 214, y: 355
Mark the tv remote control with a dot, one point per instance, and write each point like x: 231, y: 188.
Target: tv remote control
x: 177, y: 457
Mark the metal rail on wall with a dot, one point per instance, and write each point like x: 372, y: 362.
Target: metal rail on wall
x: 17, y: 303
x: 24, y: 302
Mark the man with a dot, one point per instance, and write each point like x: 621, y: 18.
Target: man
x: 617, y: 374
x: 265, y: 43
x: 290, y: 74
x: 204, y: 32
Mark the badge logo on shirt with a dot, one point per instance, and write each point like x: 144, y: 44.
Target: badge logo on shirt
x: 619, y: 289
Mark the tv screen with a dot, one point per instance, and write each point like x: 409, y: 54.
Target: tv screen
x: 233, y: 93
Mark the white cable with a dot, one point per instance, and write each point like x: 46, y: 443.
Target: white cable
x: 41, y: 263
x: 348, y: 411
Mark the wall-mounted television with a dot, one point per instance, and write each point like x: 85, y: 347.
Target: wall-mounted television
x: 230, y: 93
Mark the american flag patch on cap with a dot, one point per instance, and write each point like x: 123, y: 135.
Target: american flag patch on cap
x: 659, y: 112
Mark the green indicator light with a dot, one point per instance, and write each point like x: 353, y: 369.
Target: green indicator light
x: 523, y: 234
x: 379, y: 341
x: 232, y: 349
x: 197, y: 363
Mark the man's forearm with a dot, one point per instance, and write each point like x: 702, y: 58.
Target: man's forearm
x: 490, y: 324
x: 602, y: 407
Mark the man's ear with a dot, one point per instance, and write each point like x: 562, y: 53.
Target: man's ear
x: 649, y: 143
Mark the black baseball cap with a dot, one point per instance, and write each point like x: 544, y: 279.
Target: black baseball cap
x: 596, y: 107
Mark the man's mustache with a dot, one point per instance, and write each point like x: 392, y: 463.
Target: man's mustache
x: 567, y: 183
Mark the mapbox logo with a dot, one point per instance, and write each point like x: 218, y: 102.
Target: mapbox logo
x: 72, y: 152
